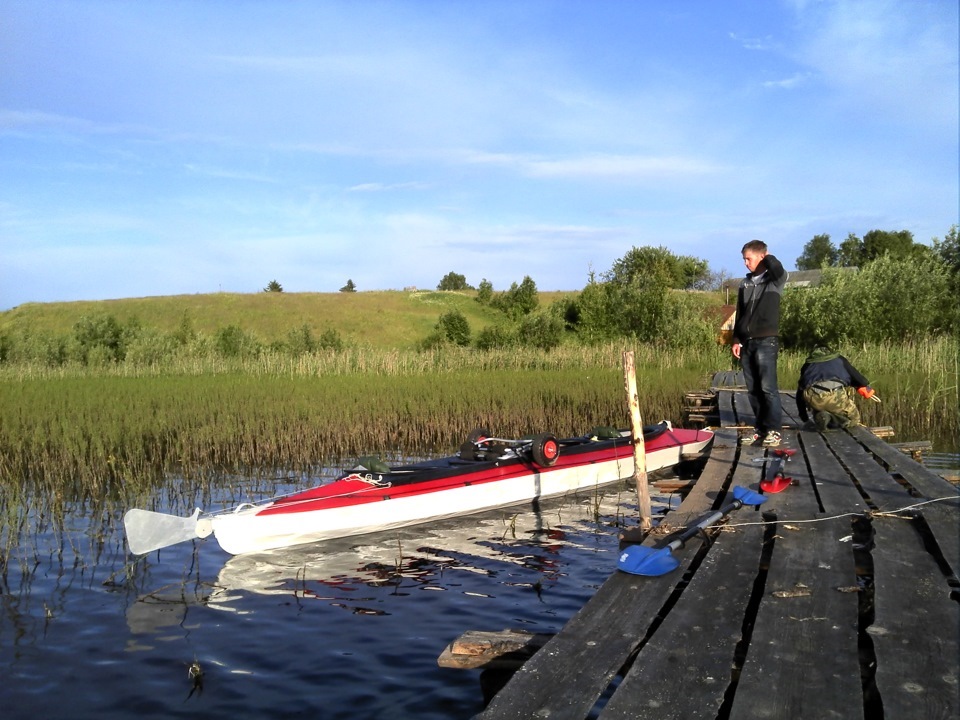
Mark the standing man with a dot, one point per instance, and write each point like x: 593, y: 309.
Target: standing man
x: 755, y: 338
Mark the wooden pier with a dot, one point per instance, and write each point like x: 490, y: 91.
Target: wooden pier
x: 837, y: 598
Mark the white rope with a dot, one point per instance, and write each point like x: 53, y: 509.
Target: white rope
x: 869, y: 513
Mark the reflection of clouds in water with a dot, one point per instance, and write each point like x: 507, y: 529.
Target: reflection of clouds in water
x: 429, y: 557
x: 350, y: 573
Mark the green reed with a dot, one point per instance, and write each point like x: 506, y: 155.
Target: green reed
x: 104, y: 434
x: 917, y: 384
x: 121, y: 430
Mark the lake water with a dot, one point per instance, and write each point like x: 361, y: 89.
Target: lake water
x: 342, y: 629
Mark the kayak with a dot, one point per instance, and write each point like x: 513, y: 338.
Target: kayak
x: 486, y: 473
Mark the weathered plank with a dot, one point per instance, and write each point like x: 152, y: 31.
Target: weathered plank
x: 836, y: 492
x: 728, y: 416
x: 684, y: 669
x: 745, y: 415
x: 803, y: 659
x: 805, y: 634
x: 912, y: 602
x: 791, y: 414
x: 505, y: 649
x: 915, y: 629
x: 942, y: 517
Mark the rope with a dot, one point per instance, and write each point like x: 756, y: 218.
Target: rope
x: 868, y: 513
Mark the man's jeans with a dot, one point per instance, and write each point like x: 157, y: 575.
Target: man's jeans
x: 759, y: 360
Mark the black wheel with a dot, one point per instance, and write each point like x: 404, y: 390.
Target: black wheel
x: 545, y: 450
x: 478, y: 435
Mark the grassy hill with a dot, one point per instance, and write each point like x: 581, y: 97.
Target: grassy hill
x: 388, y: 319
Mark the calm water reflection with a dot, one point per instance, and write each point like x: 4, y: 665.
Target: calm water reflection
x: 349, y: 628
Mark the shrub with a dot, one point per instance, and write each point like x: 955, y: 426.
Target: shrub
x: 494, y: 337
x: 232, y: 342
x: 541, y: 331
x: 454, y: 327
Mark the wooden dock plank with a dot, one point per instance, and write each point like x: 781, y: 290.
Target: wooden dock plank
x: 912, y: 600
x: 912, y: 611
x: 766, y: 625
x: 728, y: 416
x: 684, y: 669
x: 836, y: 492
x: 741, y: 404
x: 803, y: 661
x: 791, y: 414
x: 943, y: 517
x: 802, y: 612
x: 582, y: 660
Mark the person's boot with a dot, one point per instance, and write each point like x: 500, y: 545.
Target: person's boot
x: 822, y: 421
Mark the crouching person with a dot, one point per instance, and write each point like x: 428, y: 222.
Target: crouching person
x: 828, y: 385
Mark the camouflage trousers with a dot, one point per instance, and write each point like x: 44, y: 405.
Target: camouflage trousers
x: 833, y: 408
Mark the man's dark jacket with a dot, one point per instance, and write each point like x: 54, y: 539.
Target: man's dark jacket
x: 758, y: 302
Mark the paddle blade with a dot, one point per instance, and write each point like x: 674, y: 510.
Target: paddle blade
x: 747, y: 496
x: 775, y: 485
x: 648, y: 561
x: 148, y: 531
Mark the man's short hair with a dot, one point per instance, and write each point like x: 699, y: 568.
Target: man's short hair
x: 755, y: 246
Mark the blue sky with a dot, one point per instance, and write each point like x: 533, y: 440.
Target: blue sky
x: 160, y: 148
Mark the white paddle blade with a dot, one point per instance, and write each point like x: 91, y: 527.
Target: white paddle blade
x: 148, y: 531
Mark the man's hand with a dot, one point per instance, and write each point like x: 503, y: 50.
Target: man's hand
x: 736, y: 350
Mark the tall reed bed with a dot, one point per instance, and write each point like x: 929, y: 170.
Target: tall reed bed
x: 917, y: 384
x: 104, y: 433
x: 377, y: 361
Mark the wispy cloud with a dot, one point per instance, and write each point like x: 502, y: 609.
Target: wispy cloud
x: 227, y: 174
x: 752, y: 43
x: 787, y: 83
x: 387, y: 187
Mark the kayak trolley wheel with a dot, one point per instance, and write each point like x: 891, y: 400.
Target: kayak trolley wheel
x: 478, y: 435
x: 545, y: 449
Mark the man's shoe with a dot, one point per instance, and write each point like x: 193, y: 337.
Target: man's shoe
x: 822, y: 421
x: 772, y: 439
x: 753, y: 439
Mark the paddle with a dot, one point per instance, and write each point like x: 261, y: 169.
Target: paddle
x: 773, y: 480
x: 148, y: 531
x: 652, y: 562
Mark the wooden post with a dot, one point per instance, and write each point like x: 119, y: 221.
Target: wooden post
x: 639, y: 447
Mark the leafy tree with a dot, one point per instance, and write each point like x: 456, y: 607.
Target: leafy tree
x: 875, y: 244
x: 349, y: 287
x: 635, y: 309
x: 850, y: 252
x: 948, y: 249
x: 453, y: 281
x: 519, y: 300
x: 185, y: 333
x: 677, y: 271
x: 817, y: 253
x: 948, y: 252
x: 485, y: 292
x: 454, y: 327
x: 273, y: 286
x: 891, y: 297
x: 878, y: 243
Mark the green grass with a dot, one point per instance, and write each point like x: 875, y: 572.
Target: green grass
x: 380, y: 319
